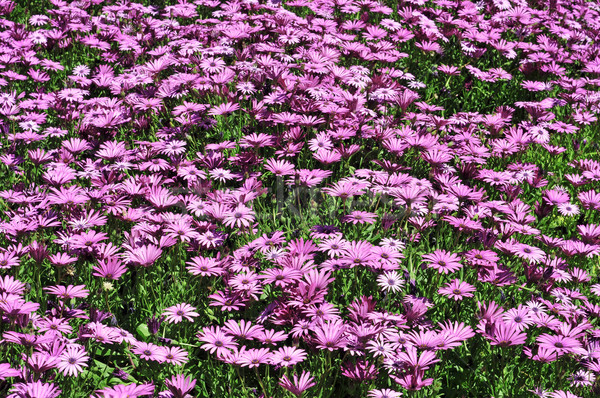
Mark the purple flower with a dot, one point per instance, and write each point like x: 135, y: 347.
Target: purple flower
x: 179, y: 385
x: 287, y: 356
x: 177, y: 313
x: 72, y: 360
x: 443, y: 261
x: 457, y: 290
x: 68, y: 292
x: 216, y: 340
x: 299, y: 384
x: 390, y: 281
x: 559, y: 344
x: 330, y: 335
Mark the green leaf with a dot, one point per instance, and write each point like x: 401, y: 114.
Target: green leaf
x: 101, y: 365
x: 143, y: 331
x: 211, y: 314
x: 114, y: 380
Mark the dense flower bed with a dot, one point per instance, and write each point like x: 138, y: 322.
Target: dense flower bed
x: 330, y: 198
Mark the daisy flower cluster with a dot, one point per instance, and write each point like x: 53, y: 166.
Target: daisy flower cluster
x: 359, y: 198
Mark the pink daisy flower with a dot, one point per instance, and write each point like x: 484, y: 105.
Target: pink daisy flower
x: 174, y: 355
x: 384, y: 393
x: 176, y: 313
x: 72, y: 359
x: 68, y: 292
x: 299, y: 384
x: 518, y: 316
x: 240, y: 217
x: 528, y: 252
x: 505, y: 334
x: 148, y: 351
x: 254, y: 357
x: 568, y: 209
x: 443, y: 261
x: 390, y: 281
x: 457, y: 290
x: 288, y: 356
x: 360, y: 217
x: 216, y: 339
x: 560, y: 344
x: 179, y: 385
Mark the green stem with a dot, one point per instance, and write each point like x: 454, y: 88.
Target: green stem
x: 262, y: 386
x: 237, y: 370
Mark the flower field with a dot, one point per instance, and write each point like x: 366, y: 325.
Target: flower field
x: 304, y: 198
